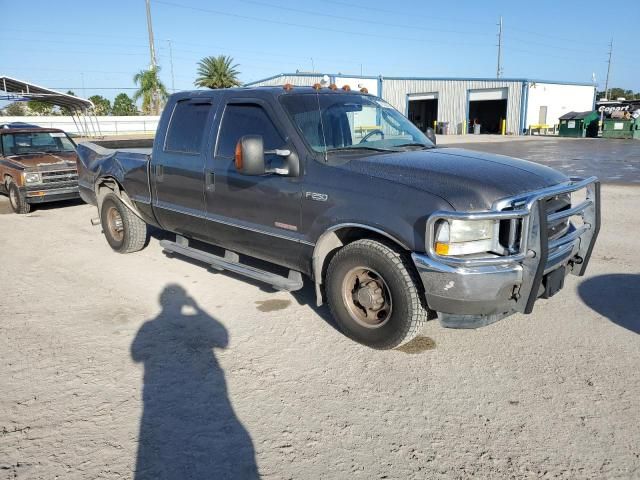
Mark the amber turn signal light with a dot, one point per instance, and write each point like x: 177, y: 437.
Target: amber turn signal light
x: 238, y: 156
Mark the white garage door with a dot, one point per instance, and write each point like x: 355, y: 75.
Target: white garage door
x: 488, y: 94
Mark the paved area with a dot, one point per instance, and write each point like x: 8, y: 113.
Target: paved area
x: 613, y: 161
x: 239, y: 380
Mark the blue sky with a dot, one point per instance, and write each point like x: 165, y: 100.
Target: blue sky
x: 100, y: 45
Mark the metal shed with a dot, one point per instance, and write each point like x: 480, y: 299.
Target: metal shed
x: 500, y: 106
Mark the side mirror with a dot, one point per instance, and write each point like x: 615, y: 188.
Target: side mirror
x: 249, y: 158
x: 431, y: 135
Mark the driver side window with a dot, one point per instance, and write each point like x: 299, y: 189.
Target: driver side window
x: 246, y: 119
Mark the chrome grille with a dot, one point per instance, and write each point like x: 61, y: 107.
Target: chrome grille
x: 60, y: 176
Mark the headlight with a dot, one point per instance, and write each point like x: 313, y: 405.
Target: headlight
x: 462, y: 237
x: 32, y: 177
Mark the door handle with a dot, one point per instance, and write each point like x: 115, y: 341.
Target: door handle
x: 210, y: 181
x: 159, y: 173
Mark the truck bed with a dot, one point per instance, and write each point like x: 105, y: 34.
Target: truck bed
x: 128, y: 166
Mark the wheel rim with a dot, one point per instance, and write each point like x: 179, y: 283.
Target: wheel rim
x: 367, y: 297
x: 114, y: 224
x: 13, y: 198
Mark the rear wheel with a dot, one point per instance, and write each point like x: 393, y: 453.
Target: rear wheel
x: 125, y: 232
x: 373, y: 294
x: 17, y: 199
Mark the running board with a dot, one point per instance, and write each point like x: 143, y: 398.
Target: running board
x: 231, y: 262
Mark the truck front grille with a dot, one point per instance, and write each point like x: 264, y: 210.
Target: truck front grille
x: 60, y: 176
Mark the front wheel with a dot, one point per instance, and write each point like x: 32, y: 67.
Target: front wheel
x: 373, y: 294
x: 125, y: 232
x: 18, y: 200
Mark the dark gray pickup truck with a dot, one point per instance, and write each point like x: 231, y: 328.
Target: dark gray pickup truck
x: 338, y: 186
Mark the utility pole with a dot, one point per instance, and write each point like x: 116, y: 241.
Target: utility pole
x: 606, y: 85
x: 173, y: 80
x: 499, y: 69
x: 153, y: 65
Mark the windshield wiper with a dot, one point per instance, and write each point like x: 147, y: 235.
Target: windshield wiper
x: 345, y: 149
x: 414, y: 145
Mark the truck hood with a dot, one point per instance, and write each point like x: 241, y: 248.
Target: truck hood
x: 468, y: 180
x: 43, y: 161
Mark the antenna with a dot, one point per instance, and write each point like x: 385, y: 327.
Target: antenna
x: 499, y: 69
x: 606, y: 85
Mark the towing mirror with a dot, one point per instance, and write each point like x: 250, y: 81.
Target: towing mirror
x: 431, y: 135
x: 249, y: 158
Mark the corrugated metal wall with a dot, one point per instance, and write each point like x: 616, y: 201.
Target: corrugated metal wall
x: 301, y: 80
x: 452, y: 98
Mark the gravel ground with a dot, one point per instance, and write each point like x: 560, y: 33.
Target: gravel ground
x: 239, y: 380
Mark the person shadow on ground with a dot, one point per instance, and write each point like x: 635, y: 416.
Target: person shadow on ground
x: 188, y: 428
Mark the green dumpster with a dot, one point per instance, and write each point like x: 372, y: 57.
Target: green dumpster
x: 579, y: 124
x: 621, y: 128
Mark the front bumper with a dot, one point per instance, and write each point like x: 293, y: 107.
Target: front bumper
x: 51, y: 194
x: 476, y: 292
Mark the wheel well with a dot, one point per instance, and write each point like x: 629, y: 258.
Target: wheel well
x: 331, y: 241
x: 108, y: 185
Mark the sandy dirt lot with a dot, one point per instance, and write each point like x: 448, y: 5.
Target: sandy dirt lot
x: 240, y: 381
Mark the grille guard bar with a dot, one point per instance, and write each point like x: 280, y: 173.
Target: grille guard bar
x: 535, y: 249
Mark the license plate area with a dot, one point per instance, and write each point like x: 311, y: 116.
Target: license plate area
x: 553, y: 282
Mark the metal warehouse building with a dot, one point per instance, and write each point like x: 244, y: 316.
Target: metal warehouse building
x: 509, y: 106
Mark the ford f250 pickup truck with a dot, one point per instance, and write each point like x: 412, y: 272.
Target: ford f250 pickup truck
x: 37, y: 165
x: 338, y: 186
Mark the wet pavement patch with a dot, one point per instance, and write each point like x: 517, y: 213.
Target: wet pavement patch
x: 272, y: 305
x: 418, y: 345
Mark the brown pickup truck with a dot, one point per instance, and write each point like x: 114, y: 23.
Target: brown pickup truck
x: 37, y: 165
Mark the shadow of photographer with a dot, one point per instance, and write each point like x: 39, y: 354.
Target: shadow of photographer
x: 188, y: 428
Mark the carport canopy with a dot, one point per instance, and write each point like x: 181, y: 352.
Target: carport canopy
x: 20, y: 91
x: 81, y: 109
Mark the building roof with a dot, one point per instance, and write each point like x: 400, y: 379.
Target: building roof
x: 382, y: 77
x: 21, y: 91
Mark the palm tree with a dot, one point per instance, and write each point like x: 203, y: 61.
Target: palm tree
x: 151, y: 90
x: 217, y: 72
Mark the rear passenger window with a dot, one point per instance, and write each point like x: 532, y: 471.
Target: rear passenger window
x: 186, y: 127
x: 240, y: 120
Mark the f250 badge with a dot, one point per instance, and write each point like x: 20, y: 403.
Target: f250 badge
x: 318, y: 197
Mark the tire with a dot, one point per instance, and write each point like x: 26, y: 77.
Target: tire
x: 383, y: 278
x: 124, y: 231
x: 17, y: 199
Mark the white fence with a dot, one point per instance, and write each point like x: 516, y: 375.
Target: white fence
x: 109, y: 125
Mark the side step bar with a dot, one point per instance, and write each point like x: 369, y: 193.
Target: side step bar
x: 231, y: 262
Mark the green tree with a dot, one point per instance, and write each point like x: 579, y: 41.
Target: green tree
x: 615, y: 93
x: 15, y: 109
x: 37, y: 107
x: 65, y: 110
x: 151, y: 90
x: 102, y: 106
x: 123, y: 105
x: 217, y: 72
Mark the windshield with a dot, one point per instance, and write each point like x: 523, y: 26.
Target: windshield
x: 36, y: 142
x: 346, y: 121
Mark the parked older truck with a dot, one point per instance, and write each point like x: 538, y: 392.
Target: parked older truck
x: 337, y: 186
x: 37, y: 165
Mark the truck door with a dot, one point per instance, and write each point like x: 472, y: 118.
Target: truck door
x: 256, y: 215
x: 177, y: 173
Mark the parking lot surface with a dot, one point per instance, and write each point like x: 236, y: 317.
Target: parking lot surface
x: 611, y: 160
x: 241, y: 381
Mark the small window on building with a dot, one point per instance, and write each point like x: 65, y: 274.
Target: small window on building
x: 246, y: 119
x: 186, y: 127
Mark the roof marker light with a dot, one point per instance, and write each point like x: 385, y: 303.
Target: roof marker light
x: 317, y: 86
x: 287, y: 87
x: 346, y: 88
x: 333, y: 87
x: 364, y: 90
